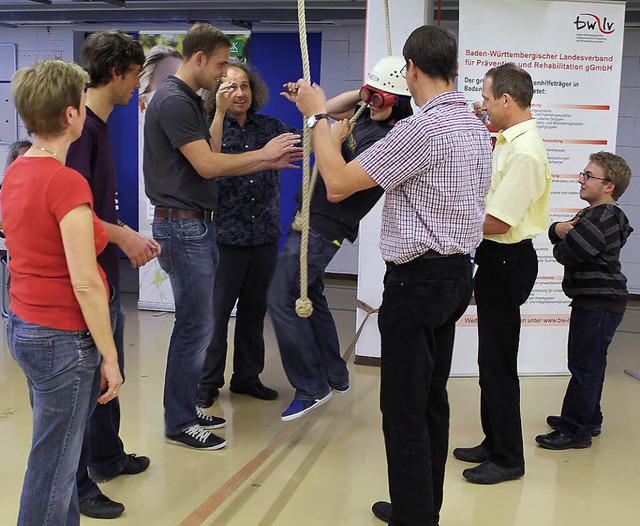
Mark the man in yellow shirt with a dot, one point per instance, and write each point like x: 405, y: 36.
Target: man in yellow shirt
x: 517, y: 209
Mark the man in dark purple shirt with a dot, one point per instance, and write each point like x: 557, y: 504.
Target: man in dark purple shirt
x: 114, y: 61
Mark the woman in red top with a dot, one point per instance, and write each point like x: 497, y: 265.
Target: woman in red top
x: 59, y: 324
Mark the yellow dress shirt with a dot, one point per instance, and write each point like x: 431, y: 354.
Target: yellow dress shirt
x: 520, y: 183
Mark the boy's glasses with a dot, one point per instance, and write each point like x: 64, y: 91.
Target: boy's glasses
x: 588, y: 175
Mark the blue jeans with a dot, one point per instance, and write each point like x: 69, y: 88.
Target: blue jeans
x: 190, y: 257
x: 60, y: 367
x: 590, y: 333
x: 309, y: 347
x: 421, y: 303
x: 102, y: 450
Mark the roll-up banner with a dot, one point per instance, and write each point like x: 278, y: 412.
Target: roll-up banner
x: 573, y: 51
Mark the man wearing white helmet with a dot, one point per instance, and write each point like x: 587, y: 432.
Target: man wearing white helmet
x: 435, y: 169
x: 309, y: 347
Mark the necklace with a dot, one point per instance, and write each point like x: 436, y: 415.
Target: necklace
x: 43, y: 149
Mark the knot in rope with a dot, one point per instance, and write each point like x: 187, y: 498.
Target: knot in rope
x: 304, y: 307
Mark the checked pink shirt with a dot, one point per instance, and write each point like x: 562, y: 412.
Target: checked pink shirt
x: 435, y: 168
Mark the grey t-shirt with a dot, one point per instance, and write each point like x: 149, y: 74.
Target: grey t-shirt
x: 175, y: 117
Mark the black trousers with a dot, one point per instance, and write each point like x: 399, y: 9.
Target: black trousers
x: 243, y: 274
x: 504, y: 279
x: 102, y: 448
x: 421, y: 303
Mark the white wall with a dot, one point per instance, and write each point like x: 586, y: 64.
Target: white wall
x: 342, y: 70
x: 629, y: 147
x: 35, y: 43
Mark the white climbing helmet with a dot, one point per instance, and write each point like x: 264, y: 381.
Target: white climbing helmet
x: 387, y: 75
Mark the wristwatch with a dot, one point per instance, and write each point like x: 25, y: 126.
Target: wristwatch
x: 313, y: 120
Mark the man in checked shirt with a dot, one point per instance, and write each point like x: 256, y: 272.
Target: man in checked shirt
x: 435, y: 168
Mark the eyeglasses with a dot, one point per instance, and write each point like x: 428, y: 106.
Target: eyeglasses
x: 86, y: 87
x: 403, y: 71
x: 381, y: 100
x: 588, y: 175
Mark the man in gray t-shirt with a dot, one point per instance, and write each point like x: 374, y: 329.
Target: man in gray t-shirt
x: 179, y: 168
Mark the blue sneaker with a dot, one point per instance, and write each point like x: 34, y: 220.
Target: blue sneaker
x: 343, y: 389
x: 298, y: 407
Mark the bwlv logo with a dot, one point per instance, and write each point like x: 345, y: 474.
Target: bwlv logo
x: 593, y: 23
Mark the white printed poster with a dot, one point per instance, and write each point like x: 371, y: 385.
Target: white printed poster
x: 573, y: 52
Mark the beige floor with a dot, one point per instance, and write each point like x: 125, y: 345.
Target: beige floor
x: 327, y: 468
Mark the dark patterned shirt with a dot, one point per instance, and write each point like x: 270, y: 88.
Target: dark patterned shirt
x: 249, y: 205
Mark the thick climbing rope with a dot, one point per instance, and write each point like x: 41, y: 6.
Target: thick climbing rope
x: 304, y: 307
x: 387, y: 26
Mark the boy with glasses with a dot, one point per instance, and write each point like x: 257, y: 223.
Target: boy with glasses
x: 589, y: 248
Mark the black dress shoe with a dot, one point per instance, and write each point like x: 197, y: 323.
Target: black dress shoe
x: 383, y: 511
x: 476, y: 454
x: 554, y: 423
x: 558, y: 441
x: 257, y: 390
x: 101, y: 507
x: 207, y: 394
x: 132, y: 466
x: 490, y: 473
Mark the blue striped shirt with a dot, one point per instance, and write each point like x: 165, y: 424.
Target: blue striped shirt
x: 435, y: 168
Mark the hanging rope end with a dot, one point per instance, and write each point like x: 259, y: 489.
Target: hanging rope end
x: 304, y: 307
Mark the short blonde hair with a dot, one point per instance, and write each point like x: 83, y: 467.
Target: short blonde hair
x: 42, y: 93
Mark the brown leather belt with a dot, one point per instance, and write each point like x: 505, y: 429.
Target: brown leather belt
x: 177, y: 213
